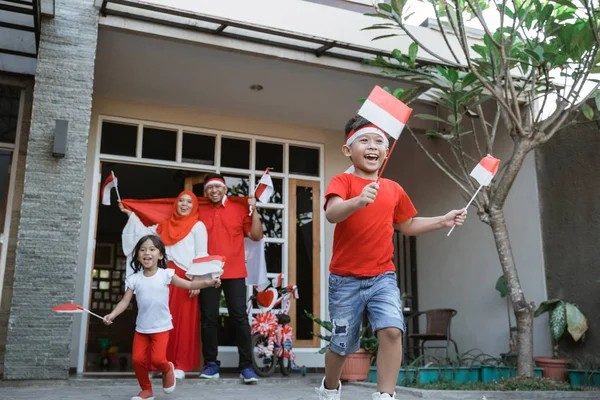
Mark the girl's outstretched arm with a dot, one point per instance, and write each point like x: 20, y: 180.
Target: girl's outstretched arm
x: 119, y: 308
x: 196, y: 284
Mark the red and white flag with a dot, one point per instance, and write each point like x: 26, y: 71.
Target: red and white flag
x: 385, y: 111
x: 71, y: 308
x: 109, y: 184
x: 485, y: 171
x: 212, y: 265
x: 265, y: 189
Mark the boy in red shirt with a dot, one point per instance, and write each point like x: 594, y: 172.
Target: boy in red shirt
x: 362, y: 273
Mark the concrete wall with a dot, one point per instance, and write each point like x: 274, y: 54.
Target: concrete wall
x: 460, y: 271
x: 38, y: 341
x: 570, y: 199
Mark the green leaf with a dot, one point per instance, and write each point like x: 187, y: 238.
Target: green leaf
x: 546, y: 306
x: 397, y: 92
x: 597, y: 100
x: 385, y: 36
x: 398, y: 6
x: 378, y: 15
x: 501, y: 286
x: 576, y: 322
x: 412, y: 51
x: 453, y: 75
x: 481, y: 50
x: 558, y: 320
x: 385, y: 7
x: 468, y: 79
x: 565, y: 3
x: 430, y: 118
x: 588, y: 111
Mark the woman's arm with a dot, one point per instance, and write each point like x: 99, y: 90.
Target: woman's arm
x: 120, y: 307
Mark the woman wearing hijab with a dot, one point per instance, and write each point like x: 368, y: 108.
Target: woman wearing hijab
x: 185, y: 239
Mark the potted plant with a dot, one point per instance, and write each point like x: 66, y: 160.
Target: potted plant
x: 356, y: 367
x: 564, y: 317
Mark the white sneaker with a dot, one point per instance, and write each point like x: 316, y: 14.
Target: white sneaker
x: 179, y: 374
x: 327, y: 394
x: 378, y: 396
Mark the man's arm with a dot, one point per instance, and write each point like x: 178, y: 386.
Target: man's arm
x: 256, y: 229
x: 339, y: 209
x: 418, y: 225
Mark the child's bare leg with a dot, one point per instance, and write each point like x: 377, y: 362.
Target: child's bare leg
x: 333, y: 369
x: 389, y: 359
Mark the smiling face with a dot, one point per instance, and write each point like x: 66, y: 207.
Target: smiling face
x: 184, y: 205
x: 367, y: 153
x: 215, y: 192
x: 149, y: 255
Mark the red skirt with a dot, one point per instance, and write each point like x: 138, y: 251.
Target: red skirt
x: 183, y: 349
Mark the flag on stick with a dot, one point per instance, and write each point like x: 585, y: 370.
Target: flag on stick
x: 265, y: 189
x: 385, y: 111
x: 483, y: 173
x: 73, y: 308
x: 109, y: 184
x: 212, y: 265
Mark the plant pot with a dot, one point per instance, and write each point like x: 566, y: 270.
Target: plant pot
x: 490, y: 373
x: 555, y: 368
x: 580, y: 377
x: 456, y: 374
x: 405, y: 376
x: 357, y: 366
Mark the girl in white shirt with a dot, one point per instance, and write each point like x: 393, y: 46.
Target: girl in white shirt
x: 150, y: 284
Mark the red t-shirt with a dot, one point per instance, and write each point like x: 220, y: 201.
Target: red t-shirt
x: 226, y: 227
x: 362, y: 243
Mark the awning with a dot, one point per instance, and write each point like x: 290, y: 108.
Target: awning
x: 20, y: 27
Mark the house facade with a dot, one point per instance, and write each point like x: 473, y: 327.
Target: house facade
x: 161, y: 92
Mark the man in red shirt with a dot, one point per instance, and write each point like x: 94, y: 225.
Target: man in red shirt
x: 227, y: 223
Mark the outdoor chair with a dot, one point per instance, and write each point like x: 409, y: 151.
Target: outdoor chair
x: 437, y: 329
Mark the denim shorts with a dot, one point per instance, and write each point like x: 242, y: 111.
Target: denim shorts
x: 348, y: 298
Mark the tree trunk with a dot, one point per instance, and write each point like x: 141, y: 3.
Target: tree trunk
x: 523, y: 310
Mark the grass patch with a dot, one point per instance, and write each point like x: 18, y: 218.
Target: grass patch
x: 511, y: 384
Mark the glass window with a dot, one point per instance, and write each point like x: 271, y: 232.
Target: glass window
x: 198, y: 149
x: 273, y: 258
x: 159, y: 144
x: 9, y: 113
x: 118, y: 139
x: 272, y: 222
x: 237, y: 185
x: 235, y: 153
x: 304, y: 161
x: 304, y: 260
x: 269, y: 155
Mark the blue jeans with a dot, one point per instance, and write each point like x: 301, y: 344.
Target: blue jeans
x: 348, y: 298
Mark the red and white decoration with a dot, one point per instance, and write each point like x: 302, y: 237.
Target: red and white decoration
x: 265, y: 189
x: 109, y: 184
x: 385, y: 111
x: 203, y: 266
x: 483, y: 173
x: 70, y: 308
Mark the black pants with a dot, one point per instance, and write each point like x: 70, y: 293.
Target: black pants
x: 235, y: 297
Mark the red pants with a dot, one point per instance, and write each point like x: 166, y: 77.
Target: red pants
x: 184, y: 343
x: 149, y: 348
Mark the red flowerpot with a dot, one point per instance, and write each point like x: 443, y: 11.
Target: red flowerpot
x: 357, y: 366
x: 555, y: 368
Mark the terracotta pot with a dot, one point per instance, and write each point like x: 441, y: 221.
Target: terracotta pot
x: 555, y: 368
x: 357, y: 366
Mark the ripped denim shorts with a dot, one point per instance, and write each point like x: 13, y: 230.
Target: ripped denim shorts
x: 348, y: 298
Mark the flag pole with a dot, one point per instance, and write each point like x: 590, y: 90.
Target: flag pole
x: 468, y: 204
x: 386, y: 160
x: 116, y: 186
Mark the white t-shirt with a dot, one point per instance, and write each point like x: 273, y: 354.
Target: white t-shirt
x: 152, y: 296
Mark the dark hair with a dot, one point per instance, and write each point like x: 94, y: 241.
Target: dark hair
x: 211, y: 176
x: 136, y: 265
x: 355, y: 123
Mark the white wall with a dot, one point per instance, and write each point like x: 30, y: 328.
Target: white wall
x: 460, y: 271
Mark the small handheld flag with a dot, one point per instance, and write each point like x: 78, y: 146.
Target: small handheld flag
x: 388, y: 113
x: 212, y: 265
x: 264, y: 190
x: 73, y: 308
x: 109, y: 184
x: 483, y: 173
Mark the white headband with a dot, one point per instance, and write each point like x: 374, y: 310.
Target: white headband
x: 365, y: 130
x: 215, y: 181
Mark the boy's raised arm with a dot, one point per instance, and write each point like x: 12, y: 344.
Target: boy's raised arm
x: 339, y: 209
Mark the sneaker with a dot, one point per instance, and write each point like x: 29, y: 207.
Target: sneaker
x: 248, y: 375
x: 179, y: 374
x: 211, y: 371
x: 327, y: 394
x: 378, y: 396
x: 169, y: 380
x: 144, y: 395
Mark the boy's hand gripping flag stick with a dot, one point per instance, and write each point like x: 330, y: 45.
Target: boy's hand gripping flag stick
x: 388, y: 113
x: 73, y: 308
x: 483, y: 173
